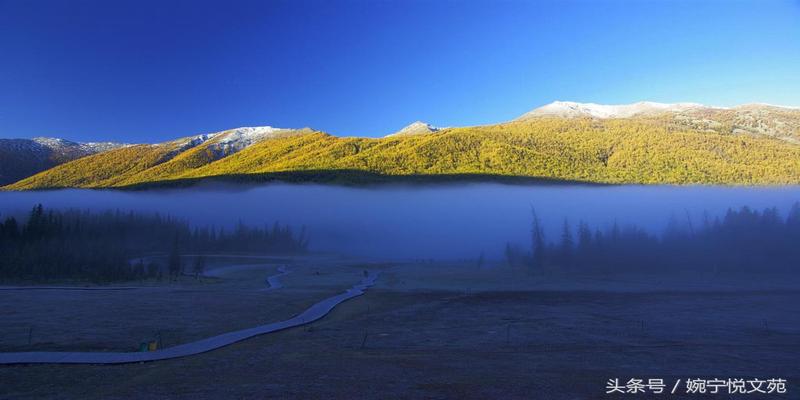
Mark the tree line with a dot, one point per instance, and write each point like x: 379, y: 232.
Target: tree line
x: 741, y: 241
x: 51, y: 245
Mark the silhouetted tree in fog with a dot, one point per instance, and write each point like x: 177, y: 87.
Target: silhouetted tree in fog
x: 583, y: 253
x: 538, y: 243
x: 481, y: 260
x: 199, y: 266
x: 565, y: 248
x: 516, y: 257
x: 175, y: 266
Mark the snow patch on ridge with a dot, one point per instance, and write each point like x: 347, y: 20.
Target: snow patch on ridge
x: 230, y: 141
x: 571, y: 109
x: 53, y: 143
x: 417, y: 128
x: 58, y: 144
x: 98, y: 147
x: 237, y: 139
x: 192, y: 141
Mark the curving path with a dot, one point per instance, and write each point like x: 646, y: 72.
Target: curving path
x: 311, y: 314
x: 273, y: 282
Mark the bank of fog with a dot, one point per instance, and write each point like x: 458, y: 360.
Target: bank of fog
x: 422, y: 222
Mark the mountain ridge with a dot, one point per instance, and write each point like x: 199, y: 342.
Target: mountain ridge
x: 571, y: 108
x: 20, y: 158
x: 781, y: 122
x: 642, y: 142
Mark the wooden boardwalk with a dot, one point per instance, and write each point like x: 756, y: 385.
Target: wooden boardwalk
x: 313, y: 313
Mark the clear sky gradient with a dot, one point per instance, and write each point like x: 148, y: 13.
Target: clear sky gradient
x: 148, y: 71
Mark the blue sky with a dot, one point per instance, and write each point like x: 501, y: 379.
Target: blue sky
x: 146, y: 71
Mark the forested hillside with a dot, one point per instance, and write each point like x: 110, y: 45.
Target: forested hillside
x: 615, y: 151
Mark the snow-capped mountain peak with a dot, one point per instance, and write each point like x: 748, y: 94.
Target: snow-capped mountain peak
x: 230, y: 141
x: 417, y: 128
x: 53, y: 143
x: 237, y: 139
x: 569, y: 109
x: 58, y: 144
x: 247, y: 135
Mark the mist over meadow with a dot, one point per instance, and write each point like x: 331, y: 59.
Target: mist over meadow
x: 442, y: 222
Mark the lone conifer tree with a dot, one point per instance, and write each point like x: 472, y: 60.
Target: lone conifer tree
x: 567, y: 243
x: 175, y: 267
x: 199, y: 266
x: 537, y: 243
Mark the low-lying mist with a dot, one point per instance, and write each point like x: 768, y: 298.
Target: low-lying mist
x: 444, y: 221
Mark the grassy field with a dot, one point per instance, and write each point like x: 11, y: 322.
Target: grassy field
x: 119, y: 317
x: 433, y: 331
